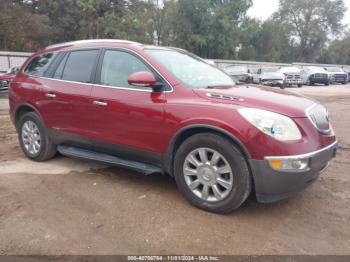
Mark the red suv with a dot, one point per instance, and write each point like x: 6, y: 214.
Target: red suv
x: 161, y: 109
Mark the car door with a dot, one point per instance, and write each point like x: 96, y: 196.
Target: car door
x: 67, y: 102
x: 127, y: 117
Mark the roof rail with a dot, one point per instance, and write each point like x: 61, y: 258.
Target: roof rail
x: 94, y: 41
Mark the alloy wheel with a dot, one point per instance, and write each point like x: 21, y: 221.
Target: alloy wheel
x: 208, y: 174
x: 31, y: 137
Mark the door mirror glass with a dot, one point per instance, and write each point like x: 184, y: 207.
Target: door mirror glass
x: 143, y: 79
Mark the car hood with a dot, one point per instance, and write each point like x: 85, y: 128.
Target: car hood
x: 272, y: 75
x: 267, y: 98
x: 337, y: 73
x: 317, y: 71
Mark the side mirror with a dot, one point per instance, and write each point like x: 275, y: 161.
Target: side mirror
x: 144, y: 79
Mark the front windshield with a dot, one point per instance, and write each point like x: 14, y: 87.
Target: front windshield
x: 189, y: 70
x: 269, y: 70
x: 334, y: 69
x: 316, y: 69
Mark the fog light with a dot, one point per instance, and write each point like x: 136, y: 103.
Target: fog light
x: 289, y: 164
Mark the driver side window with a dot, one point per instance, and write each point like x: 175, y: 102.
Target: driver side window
x: 117, y: 66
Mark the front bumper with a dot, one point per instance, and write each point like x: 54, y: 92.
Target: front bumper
x: 339, y: 79
x: 272, y: 185
x: 272, y: 82
x: 293, y: 81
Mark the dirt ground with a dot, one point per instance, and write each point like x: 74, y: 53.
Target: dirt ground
x: 70, y: 206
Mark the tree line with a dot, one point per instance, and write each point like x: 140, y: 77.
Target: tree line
x: 299, y: 31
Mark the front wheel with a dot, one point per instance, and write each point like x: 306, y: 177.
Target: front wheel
x: 33, y: 138
x: 211, y: 173
x: 300, y: 85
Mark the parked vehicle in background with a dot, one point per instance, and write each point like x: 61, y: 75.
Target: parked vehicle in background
x: 347, y: 70
x: 314, y: 75
x: 239, y: 73
x: 160, y: 110
x: 292, y: 76
x: 337, y: 75
x: 6, y: 78
x: 269, y: 76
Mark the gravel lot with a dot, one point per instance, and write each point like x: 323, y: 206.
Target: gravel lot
x: 70, y: 206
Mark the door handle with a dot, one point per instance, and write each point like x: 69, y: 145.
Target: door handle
x: 100, y: 103
x: 50, y: 95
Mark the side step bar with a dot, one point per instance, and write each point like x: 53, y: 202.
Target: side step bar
x: 146, y: 169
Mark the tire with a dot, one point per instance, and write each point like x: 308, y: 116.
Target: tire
x: 282, y: 86
x: 46, y: 149
x: 230, y: 198
x: 326, y: 84
x: 299, y: 85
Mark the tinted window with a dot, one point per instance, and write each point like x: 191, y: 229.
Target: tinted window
x: 39, y: 64
x: 117, y: 66
x: 79, y: 66
x: 59, y: 70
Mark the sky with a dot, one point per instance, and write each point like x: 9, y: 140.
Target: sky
x: 263, y: 9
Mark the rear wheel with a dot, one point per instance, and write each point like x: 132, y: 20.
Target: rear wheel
x: 300, y: 85
x: 211, y: 173
x: 33, y: 138
x: 326, y: 84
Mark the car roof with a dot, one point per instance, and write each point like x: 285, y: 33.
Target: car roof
x: 98, y: 43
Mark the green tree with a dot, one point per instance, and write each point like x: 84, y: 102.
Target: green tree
x: 311, y: 23
x: 209, y: 28
x: 21, y: 30
x: 249, y: 37
x: 273, y: 43
x: 338, y: 52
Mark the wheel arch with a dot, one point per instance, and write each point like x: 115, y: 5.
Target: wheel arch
x: 188, y: 131
x: 22, y: 109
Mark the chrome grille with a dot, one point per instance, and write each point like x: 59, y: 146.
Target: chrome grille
x: 293, y: 77
x: 320, y: 75
x: 340, y: 77
x: 319, y: 117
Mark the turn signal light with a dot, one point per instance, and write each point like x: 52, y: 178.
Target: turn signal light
x: 289, y: 164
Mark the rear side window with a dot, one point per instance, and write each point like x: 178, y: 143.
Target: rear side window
x: 39, y: 64
x: 79, y: 66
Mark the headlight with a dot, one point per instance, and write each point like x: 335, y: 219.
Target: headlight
x: 275, y: 125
